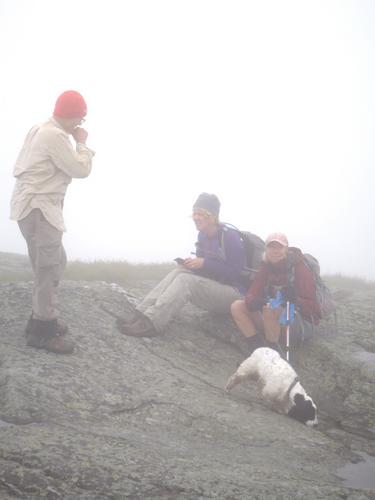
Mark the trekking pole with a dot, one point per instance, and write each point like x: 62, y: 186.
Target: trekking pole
x: 287, y: 329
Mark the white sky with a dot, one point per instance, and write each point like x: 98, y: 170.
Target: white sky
x: 268, y: 104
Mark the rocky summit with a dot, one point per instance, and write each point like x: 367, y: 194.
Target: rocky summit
x: 148, y: 418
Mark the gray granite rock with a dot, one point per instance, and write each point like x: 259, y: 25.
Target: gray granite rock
x: 148, y: 418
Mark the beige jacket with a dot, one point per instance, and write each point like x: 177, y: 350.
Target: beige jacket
x: 44, y: 168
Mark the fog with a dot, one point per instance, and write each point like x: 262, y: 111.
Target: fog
x: 268, y: 104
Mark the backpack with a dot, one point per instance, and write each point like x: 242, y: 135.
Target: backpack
x: 254, y: 248
x: 323, y: 293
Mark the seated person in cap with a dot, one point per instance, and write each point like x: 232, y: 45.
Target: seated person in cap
x: 211, y: 280
x: 283, y: 277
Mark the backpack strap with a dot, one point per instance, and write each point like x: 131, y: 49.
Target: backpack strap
x: 292, y: 274
x: 291, y: 269
x: 220, y: 255
x: 224, y: 226
x: 223, y: 229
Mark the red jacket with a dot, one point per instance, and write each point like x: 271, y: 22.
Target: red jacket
x: 278, y: 275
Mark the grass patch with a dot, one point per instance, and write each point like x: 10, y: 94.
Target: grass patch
x: 339, y: 281
x: 10, y: 276
x: 121, y: 272
x: 17, y: 268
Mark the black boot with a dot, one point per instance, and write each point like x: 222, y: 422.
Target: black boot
x: 253, y: 343
x: 276, y: 347
x: 62, y: 328
x: 142, y: 327
x: 45, y: 335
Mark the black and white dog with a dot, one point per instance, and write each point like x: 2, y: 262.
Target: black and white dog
x: 278, y: 384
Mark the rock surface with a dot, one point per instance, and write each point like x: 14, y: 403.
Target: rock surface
x: 148, y: 418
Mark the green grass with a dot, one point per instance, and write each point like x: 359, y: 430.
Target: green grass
x: 120, y: 272
x: 125, y: 273
x: 10, y: 276
x: 339, y: 281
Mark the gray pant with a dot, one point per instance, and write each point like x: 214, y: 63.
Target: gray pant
x: 180, y: 287
x: 48, y: 260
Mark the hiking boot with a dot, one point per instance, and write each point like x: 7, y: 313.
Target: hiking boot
x: 62, y: 327
x: 125, y: 322
x: 253, y: 343
x: 276, y: 347
x: 55, y: 344
x: 142, y: 327
x: 43, y: 335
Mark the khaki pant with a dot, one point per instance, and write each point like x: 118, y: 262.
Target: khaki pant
x: 180, y: 287
x: 48, y: 260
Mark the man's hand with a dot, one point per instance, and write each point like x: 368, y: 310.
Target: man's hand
x: 193, y: 264
x: 80, y: 135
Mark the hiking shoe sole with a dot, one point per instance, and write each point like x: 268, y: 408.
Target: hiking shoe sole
x: 56, y: 344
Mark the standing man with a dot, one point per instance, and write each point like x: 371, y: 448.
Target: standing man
x: 212, y: 280
x: 44, y: 168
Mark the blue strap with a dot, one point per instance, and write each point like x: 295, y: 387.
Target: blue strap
x: 278, y: 301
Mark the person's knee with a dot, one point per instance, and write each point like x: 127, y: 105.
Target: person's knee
x: 176, y: 272
x: 185, y: 280
x: 268, y: 313
x: 238, y: 308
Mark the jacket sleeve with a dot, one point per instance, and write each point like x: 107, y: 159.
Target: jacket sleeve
x: 228, y: 269
x: 75, y: 163
x: 258, y: 286
x: 306, y: 293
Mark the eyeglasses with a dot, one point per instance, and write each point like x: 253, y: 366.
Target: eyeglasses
x: 82, y: 121
x: 201, y: 212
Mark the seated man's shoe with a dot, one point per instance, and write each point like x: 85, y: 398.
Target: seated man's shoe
x: 141, y: 327
x: 130, y: 317
x: 43, y: 335
x: 62, y: 327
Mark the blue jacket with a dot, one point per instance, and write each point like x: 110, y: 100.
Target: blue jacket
x: 224, y: 266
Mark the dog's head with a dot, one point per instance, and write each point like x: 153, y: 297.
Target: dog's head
x: 304, y: 410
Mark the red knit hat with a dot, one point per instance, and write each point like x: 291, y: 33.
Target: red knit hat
x: 70, y: 104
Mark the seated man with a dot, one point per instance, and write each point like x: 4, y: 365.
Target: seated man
x: 211, y: 280
x: 283, y: 274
